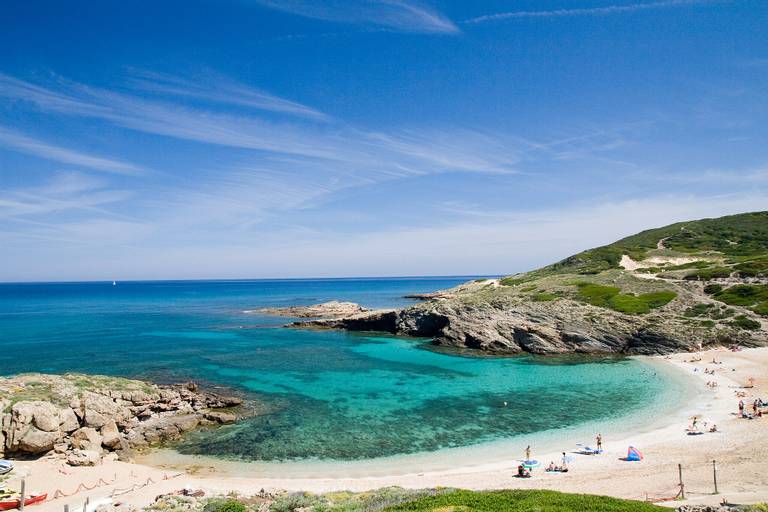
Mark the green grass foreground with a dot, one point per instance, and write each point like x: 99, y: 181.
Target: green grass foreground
x: 522, y: 500
x: 392, y: 499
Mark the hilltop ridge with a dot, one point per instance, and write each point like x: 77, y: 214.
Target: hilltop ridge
x: 678, y: 287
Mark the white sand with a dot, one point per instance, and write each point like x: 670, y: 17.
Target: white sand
x: 740, y: 448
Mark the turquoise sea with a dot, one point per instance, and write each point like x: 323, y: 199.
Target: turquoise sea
x: 327, y: 395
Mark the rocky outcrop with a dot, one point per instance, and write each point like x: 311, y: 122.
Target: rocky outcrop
x: 560, y: 327
x: 676, y: 288
x: 81, y: 418
x: 379, y: 320
x: 429, y: 295
x: 332, y: 309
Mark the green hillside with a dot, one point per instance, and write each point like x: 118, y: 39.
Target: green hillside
x: 679, y: 287
x: 741, y: 239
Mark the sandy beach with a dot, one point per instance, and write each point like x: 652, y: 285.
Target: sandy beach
x: 740, y: 447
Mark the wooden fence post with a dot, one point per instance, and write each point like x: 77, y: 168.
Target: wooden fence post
x: 23, y: 495
x: 680, y: 476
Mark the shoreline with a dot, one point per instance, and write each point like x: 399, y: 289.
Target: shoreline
x: 492, y: 455
x: 740, y: 447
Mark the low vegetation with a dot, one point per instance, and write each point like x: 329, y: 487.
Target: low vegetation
x: 398, y: 499
x: 743, y: 294
x: 611, y: 297
x: 707, y: 274
x: 224, y: 505
x: 544, y: 297
x: 751, y: 267
x: 712, y: 288
x: 709, y: 310
x: 521, y: 500
x: 744, y: 322
x: 751, y: 296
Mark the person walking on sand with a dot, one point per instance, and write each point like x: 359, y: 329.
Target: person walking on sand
x: 741, y: 407
x: 599, y: 441
x: 564, y: 461
x: 528, y: 453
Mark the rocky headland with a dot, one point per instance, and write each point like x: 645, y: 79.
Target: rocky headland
x: 83, y: 418
x: 677, y: 288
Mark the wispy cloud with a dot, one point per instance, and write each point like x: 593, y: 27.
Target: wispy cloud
x: 290, y: 166
x: 61, y: 193
x: 724, y: 178
x: 585, y: 11
x: 13, y: 88
x: 23, y: 144
x: 398, y: 153
x: 459, y: 149
x: 404, y: 15
x: 216, y: 88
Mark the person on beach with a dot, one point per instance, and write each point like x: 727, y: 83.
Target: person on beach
x: 599, y: 441
x: 741, y: 407
x: 528, y: 453
x: 564, y: 461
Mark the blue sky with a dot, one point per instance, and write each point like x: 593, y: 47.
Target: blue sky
x: 288, y: 138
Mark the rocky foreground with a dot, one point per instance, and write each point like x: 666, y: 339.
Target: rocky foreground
x: 84, y: 418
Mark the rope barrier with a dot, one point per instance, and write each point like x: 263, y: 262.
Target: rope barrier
x: 120, y: 492
x: 101, y: 483
x: 82, y: 487
x: 662, y: 497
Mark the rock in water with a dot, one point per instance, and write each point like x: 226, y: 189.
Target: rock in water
x: 332, y: 309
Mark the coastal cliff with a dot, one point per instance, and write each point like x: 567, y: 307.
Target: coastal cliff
x: 675, y: 288
x: 85, y: 417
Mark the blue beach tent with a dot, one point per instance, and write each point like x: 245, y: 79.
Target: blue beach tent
x: 633, y: 454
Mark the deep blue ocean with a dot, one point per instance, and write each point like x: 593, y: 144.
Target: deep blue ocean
x: 324, y: 394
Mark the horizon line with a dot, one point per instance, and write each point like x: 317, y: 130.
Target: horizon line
x: 338, y: 278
